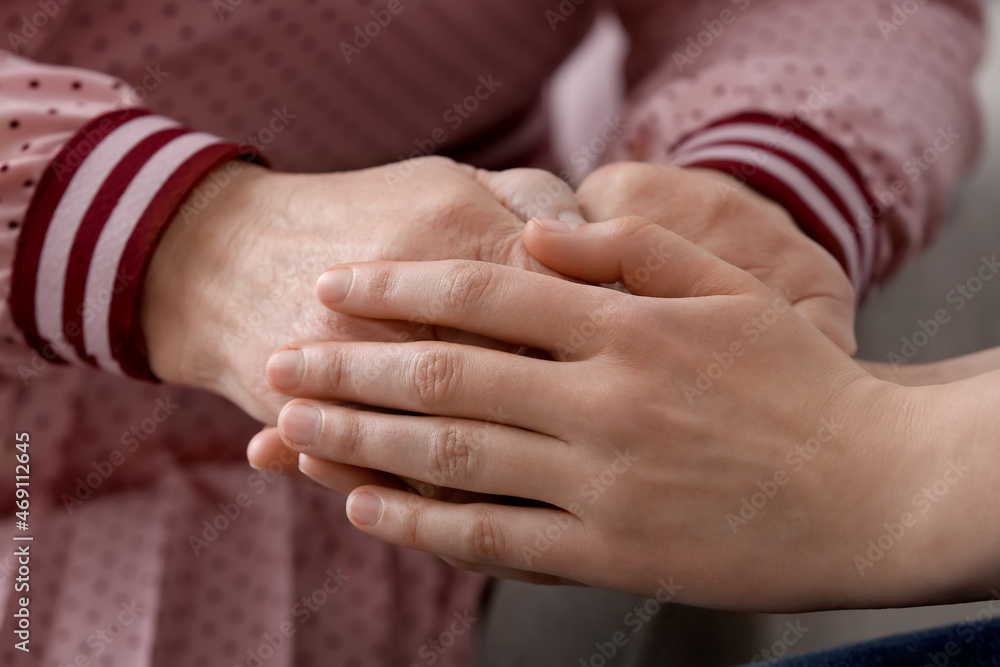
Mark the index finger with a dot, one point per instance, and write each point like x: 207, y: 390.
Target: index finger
x: 500, y: 302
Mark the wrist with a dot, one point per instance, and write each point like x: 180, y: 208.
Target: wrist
x: 185, y: 283
x: 871, y: 551
x: 930, y: 536
x: 959, y: 557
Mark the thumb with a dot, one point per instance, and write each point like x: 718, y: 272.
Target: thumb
x: 649, y: 259
x: 532, y: 193
x: 833, y: 317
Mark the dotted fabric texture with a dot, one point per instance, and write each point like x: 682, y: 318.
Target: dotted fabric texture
x: 115, y: 577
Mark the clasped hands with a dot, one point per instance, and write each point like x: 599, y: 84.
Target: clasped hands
x: 591, y: 460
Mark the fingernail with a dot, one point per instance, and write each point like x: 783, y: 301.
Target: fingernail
x: 572, y: 217
x: 255, y: 443
x: 553, y: 225
x: 333, y: 286
x: 364, y: 508
x: 300, y: 424
x: 284, y: 369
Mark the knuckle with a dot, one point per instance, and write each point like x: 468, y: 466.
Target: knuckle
x: 639, y: 235
x: 451, y: 201
x: 620, y: 187
x: 456, y: 212
x: 547, y: 179
x: 335, y: 368
x: 451, y: 455
x: 434, y: 372
x: 412, y: 525
x: 351, y: 438
x: 438, y: 161
x: 632, y: 227
x: 379, y: 285
x: 469, y: 284
x: 484, y: 538
x: 622, y: 176
x: 434, y: 164
x: 530, y: 194
x: 715, y: 279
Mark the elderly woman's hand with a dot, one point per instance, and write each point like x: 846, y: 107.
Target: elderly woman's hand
x: 713, y: 439
x: 737, y: 224
x: 233, y: 278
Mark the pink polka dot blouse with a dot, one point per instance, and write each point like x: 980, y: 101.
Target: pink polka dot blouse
x: 155, y: 544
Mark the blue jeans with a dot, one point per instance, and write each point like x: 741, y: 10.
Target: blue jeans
x: 974, y: 643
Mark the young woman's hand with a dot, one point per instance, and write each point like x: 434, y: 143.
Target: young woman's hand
x: 234, y: 275
x: 712, y: 438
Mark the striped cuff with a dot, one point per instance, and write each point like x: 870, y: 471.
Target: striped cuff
x: 792, y: 164
x: 93, y: 224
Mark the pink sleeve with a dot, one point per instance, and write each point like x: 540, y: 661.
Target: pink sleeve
x: 88, y: 181
x: 857, y: 116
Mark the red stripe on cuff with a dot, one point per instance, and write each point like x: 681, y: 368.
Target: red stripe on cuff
x: 103, y: 199
x: 51, y: 188
x: 90, y: 230
x: 859, y: 222
x: 802, y: 130
x: 128, y: 342
x: 811, y: 174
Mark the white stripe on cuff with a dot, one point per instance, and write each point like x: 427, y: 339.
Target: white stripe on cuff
x: 828, y: 168
x: 121, y: 223
x: 794, y: 179
x: 69, y: 214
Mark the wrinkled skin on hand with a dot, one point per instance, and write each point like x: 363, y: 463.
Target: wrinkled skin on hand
x: 227, y: 288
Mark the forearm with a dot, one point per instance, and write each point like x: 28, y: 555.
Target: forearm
x: 957, y: 508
